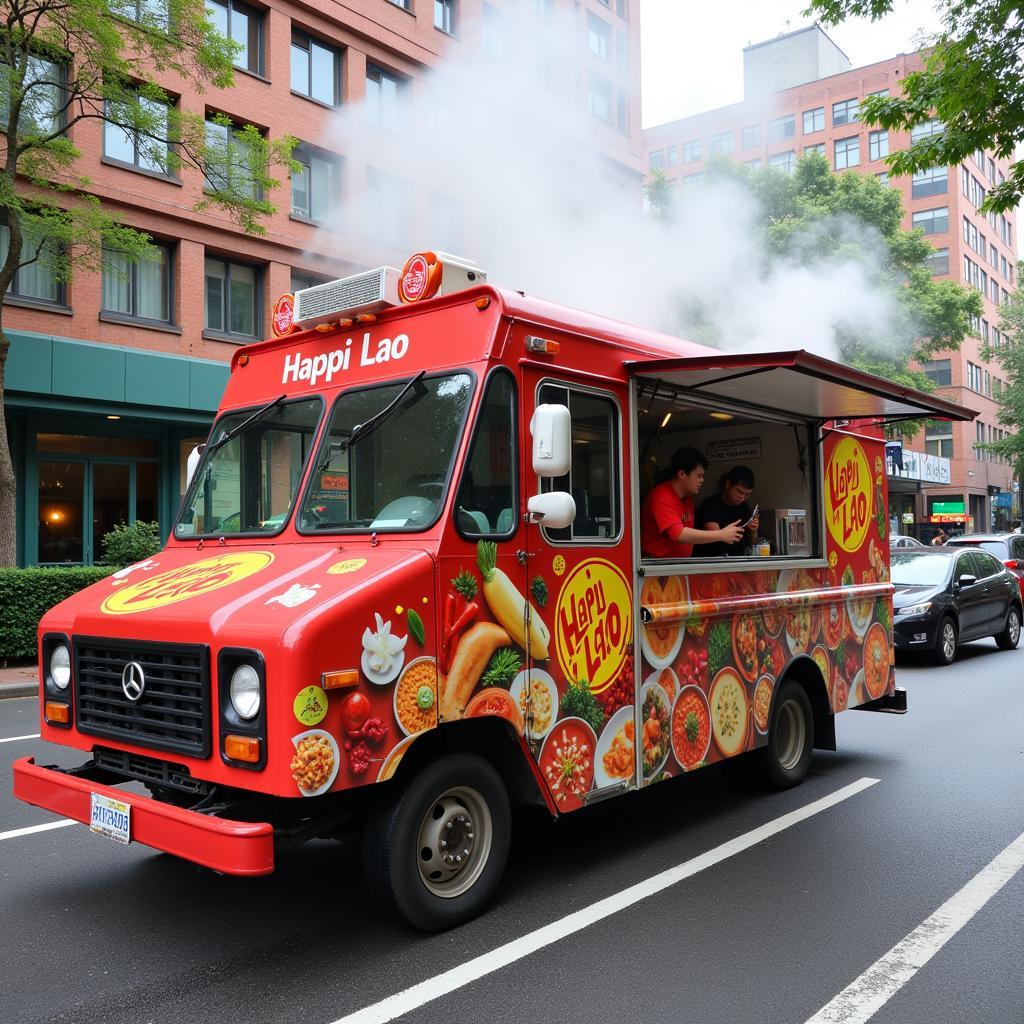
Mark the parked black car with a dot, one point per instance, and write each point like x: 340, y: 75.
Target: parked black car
x: 1007, y: 547
x: 946, y: 596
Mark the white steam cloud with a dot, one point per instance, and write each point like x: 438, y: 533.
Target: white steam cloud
x: 497, y: 158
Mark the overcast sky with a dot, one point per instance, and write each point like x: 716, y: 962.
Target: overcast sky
x: 693, y: 51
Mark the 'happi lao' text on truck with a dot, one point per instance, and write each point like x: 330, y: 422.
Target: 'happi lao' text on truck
x: 405, y: 588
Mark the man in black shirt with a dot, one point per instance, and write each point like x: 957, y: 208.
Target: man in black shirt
x: 728, y: 506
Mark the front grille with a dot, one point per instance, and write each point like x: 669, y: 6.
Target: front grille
x: 149, y: 770
x: 173, y: 712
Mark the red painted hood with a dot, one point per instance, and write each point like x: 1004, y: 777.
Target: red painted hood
x: 261, y: 595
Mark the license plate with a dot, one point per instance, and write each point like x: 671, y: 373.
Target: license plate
x: 110, y: 818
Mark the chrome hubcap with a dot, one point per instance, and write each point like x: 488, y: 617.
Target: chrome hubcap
x: 791, y: 733
x: 948, y: 640
x: 454, y: 842
x: 1014, y: 630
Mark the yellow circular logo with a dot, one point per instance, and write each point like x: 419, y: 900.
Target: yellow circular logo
x: 310, y: 705
x: 593, y: 623
x: 349, y: 565
x: 558, y: 565
x: 186, y: 581
x: 848, y: 486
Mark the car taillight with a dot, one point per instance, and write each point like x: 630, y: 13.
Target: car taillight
x: 1011, y: 563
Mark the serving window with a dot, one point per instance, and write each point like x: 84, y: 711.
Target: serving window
x: 779, y: 451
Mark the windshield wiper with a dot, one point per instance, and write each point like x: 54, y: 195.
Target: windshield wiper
x: 235, y: 431
x: 368, y: 426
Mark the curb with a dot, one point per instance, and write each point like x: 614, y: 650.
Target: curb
x: 19, y: 690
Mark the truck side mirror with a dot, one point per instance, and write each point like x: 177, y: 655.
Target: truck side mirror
x: 556, y: 509
x: 551, y: 429
x: 193, y: 461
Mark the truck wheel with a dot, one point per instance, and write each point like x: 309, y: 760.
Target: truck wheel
x: 438, y: 851
x: 787, y: 754
x: 944, y: 651
x: 1010, y: 636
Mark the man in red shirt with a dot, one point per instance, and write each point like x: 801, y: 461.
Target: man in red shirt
x: 666, y: 519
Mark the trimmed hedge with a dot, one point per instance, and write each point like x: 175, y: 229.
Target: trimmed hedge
x: 27, y: 594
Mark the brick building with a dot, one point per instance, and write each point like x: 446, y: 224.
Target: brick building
x: 113, y: 378
x: 802, y: 95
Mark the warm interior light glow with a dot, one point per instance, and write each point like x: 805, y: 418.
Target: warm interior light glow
x: 721, y: 415
x: 665, y: 419
x: 55, y: 517
x: 113, y: 417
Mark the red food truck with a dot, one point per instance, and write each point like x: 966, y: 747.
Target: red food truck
x: 405, y: 587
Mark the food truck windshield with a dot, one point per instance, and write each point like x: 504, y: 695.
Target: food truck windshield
x: 371, y: 471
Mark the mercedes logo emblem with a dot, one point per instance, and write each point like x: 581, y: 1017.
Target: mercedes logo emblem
x: 133, y: 681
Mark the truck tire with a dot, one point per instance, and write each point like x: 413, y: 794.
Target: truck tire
x: 944, y: 651
x: 437, y: 852
x: 787, y: 754
x: 1010, y: 636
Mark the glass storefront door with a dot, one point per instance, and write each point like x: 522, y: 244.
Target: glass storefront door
x: 87, y: 486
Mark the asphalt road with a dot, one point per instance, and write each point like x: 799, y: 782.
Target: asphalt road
x: 93, y: 932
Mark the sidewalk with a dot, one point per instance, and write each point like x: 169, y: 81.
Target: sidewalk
x: 19, y: 682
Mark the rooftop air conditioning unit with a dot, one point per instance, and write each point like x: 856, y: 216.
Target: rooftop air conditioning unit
x: 369, y: 292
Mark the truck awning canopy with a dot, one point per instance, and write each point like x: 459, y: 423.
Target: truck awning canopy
x: 797, y: 382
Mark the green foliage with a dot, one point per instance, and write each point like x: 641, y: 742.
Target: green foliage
x: 26, y: 595
x: 973, y: 81
x: 1010, y: 357
x: 130, y: 543
x: 658, y: 195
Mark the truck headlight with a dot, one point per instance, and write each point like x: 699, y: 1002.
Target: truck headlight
x: 60, y: 667
x: 245, y: 692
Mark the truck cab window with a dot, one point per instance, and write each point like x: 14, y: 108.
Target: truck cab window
x: 593, y: 478
x: 486, y: 502
x: 248, y: 484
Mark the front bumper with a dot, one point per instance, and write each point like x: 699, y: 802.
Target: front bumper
x: 233, y: 847
x: 916, y: 632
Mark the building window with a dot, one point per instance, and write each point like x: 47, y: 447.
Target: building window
x: 926, y: 130
x: 672, y: 155
x: 692, y: 151
x: 931, y: 222
x: 37, y: 281
x: 404, y: 4
x: 622, y: 51
x: 845, y: 112
x: 782, y: 128
x: 140, y: 289
x: 229, y: 161
x: 144, y: 150
x: 42, y: 100
x: 932, y: 182
x: 939, y: 372
x: 304, y: 279
x: 725, y: 142
x: 814, y: 120
x: 315, y: 184
x: 384, y: 95
x: 993, y: 258
x: 752, y: 136
x: 689, y: 180
x: 620, y: 8
x: 232, y: 298
x: 242, y: 24
x: 974, y: 377
x: 754, y: 165
x: 883, y: 177
x: 389, y: 207
x: 599, y: 98
x: 599, y: 35
x: 444, y: 16
x: 818, y: 147
x: 938, y: 262
x: 622, y: 110
x: 847, y: 153
x: 783, y: 161
x: 878, y: 145
x: 938, y: 438
x: 656, y: 159
x: 316, y: 69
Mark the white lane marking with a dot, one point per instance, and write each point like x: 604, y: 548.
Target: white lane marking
x: 14, y: 833
x: 863, y: 998
x: 11, y: 739
x: 427, y: 991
